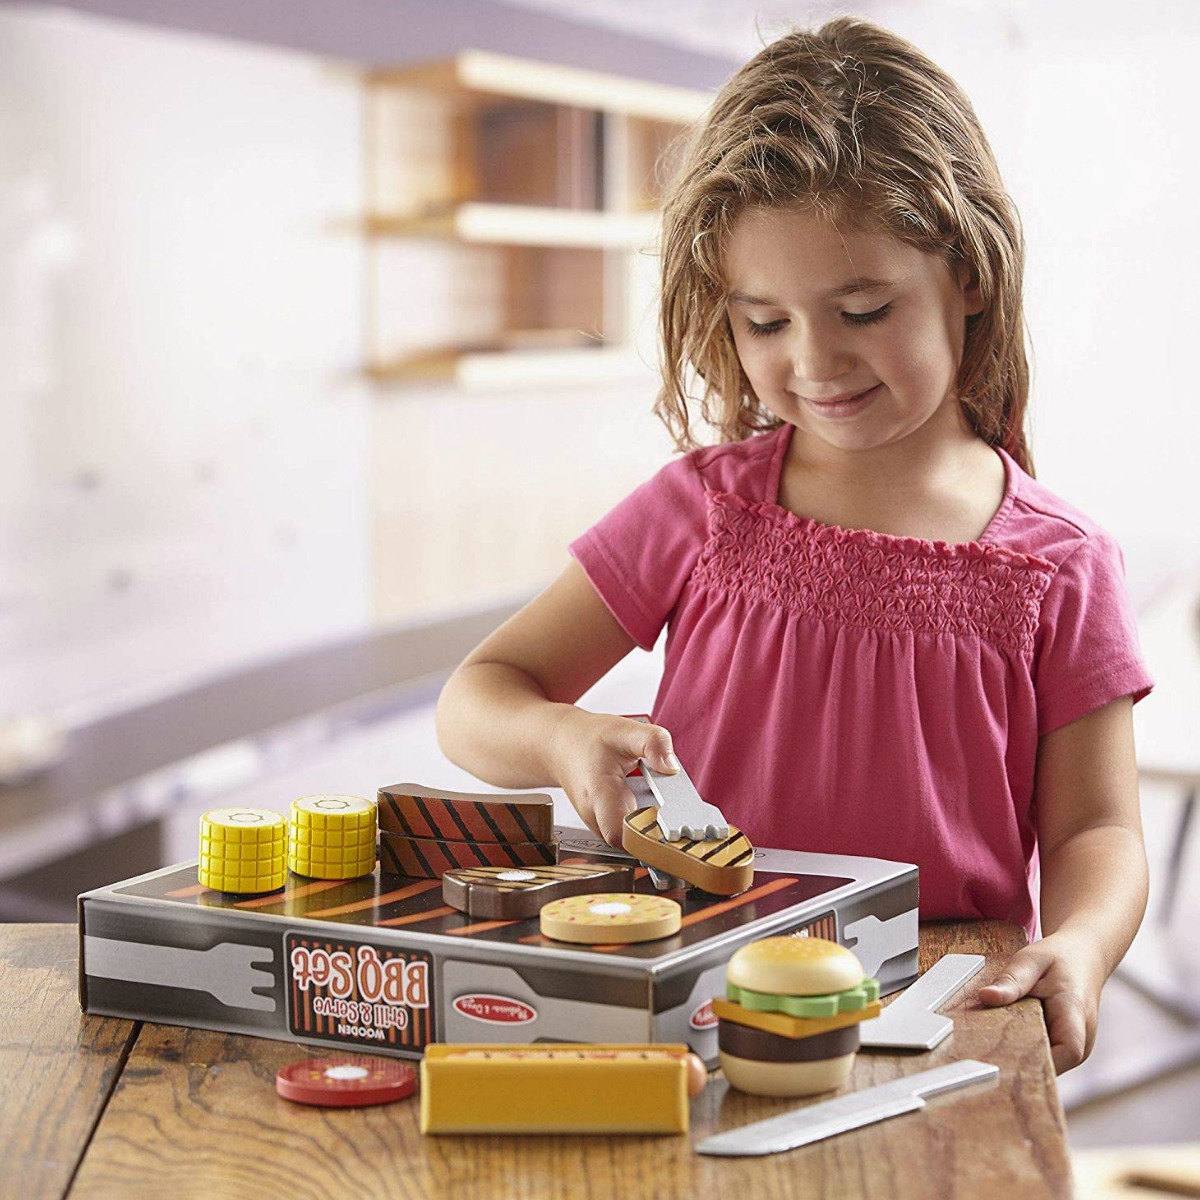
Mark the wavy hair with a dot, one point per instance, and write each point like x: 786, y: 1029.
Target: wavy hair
x: 856, y: 122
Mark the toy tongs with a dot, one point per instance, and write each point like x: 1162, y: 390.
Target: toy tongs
x: 682, y: 813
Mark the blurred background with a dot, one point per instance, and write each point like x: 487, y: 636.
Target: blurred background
x: 305, y: 387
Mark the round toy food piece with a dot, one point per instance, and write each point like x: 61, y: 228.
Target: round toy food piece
x: 610, y: 918
x: 795, y: 966
x: 332, y: 837
x: 243, y: 850
x: 346, y: 1081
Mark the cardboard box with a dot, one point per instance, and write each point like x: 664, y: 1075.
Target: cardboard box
x: 381, y: 963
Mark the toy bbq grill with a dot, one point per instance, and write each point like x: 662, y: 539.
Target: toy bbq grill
x: 382, y: 963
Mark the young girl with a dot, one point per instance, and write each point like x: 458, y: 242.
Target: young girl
x: 884, y: 637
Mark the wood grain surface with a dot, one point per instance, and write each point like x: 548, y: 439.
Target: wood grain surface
x: 195, y: 1114
x: 57, y: 1067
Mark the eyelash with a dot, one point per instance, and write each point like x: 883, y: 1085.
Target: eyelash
x: 869, y: 318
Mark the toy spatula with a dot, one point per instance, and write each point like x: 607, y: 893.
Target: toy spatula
x: 911, y: 1021
x: 681, y: 811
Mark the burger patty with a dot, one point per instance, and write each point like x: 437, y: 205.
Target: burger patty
x: 743, y: 1041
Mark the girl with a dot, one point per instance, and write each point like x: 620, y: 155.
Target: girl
x: 883, y: 636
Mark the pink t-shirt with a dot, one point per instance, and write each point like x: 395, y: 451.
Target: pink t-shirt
x: 852, y: 692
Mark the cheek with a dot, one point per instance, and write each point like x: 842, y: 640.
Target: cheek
x: 757, y: 357
x: 921, y: 353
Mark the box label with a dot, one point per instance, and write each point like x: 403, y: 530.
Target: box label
x: 703, y: 1017
x: 495, y: 1010
x: 354, y: 992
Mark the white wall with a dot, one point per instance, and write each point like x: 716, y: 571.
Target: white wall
x: 1091, y: 111
x: 196, y: 475
x: 192, y: 475
x: 184, y: 459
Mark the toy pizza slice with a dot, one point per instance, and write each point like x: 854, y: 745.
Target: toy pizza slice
x: 514, y: 893
x: 723, y: 867
x: 422, y: 812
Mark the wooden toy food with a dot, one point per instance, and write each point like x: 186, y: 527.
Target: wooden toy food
x: 514, y: 893
x: 346, y: 1081
x: 416, y: 811
x: 331, y: 837
x: 611, y: 918
x: 431, y: 858
x: 243, y: 850
x: 789, y: 1023
x: 561, y: 1088
x: 724, y: 866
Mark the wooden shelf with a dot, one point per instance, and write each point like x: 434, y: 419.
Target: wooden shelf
x: 481, y: 370
x: 522, y: 225
x: 503, y: 75
x: 512, y: 195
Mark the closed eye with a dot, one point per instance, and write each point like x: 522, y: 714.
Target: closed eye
x: 757, y: 330
x: 867, y: 318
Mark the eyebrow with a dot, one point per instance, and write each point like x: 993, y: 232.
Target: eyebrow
x: 847, y: 289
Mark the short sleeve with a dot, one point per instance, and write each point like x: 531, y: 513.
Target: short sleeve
x: 640, y: 555
x: 1087, y: 650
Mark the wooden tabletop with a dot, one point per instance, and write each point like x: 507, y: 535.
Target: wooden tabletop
x: 98, y: 1107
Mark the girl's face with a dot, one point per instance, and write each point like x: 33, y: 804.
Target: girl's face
x: 853, y: 338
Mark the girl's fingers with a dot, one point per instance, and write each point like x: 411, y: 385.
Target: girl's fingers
x: 611, y: 806
x: 603, y: 804
x: 1019, y: 976
x: 653, y: 743
x: 602, y: 797
x: 1070, y: 1026
x: 1067, y: 1027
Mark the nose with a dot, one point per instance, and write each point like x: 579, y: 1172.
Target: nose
x: 817, y: 353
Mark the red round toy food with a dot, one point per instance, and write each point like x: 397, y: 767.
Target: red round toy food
x: 346, y: 1081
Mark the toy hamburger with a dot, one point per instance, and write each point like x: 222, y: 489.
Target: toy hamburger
x: 789, y: 1023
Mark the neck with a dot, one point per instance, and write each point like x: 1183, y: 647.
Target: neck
x: 940, y: 452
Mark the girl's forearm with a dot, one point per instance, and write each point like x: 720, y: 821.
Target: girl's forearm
x: 1094, y: 885
x: 495, y: 721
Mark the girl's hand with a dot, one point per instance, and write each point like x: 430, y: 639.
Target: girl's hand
x: 591, y: 754
x: 1065, y: 973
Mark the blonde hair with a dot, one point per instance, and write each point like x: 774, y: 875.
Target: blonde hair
x: 857, y: 122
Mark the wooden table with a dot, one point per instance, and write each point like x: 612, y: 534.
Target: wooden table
x: 98, y: 1107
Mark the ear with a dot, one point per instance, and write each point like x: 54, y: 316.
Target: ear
x: 968, y: 280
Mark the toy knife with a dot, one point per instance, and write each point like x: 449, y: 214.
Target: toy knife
x: 802, y: 1126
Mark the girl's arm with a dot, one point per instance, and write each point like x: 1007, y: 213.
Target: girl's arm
x: 1093, y: 876
x: 507, y: 714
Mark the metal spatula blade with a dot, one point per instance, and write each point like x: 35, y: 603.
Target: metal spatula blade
x: 681, y: 811
x: 911, y: 1021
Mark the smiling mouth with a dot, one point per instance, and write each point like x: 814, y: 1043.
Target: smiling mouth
x: 838, y: 400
